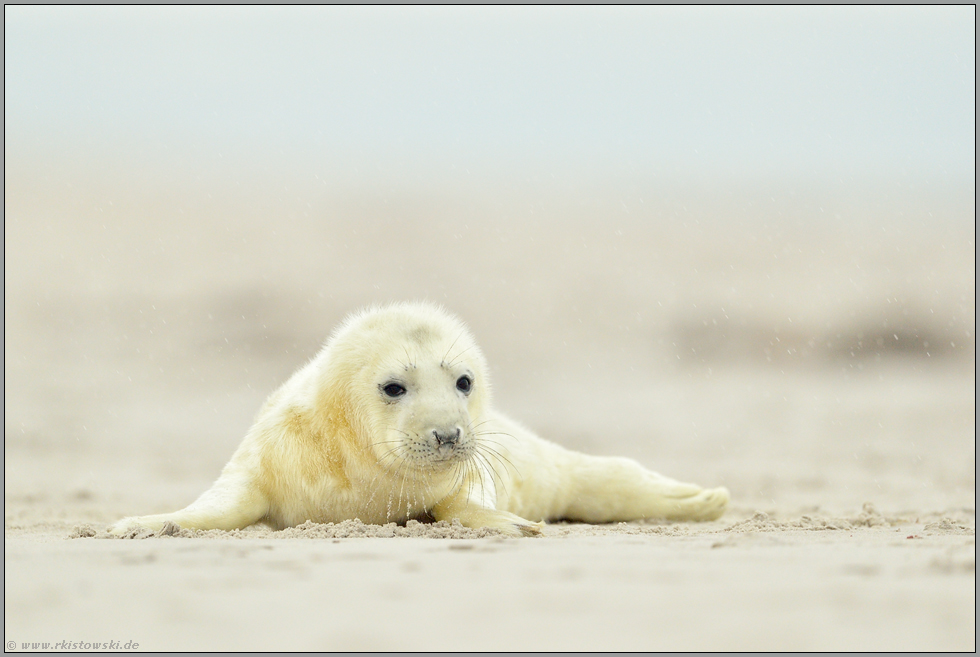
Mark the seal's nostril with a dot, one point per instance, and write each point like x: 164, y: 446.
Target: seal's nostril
x: 446, y: 438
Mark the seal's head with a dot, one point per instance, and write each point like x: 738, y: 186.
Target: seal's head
x: 413, y: 383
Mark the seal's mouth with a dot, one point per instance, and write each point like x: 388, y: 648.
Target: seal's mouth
x: 447, y: 455
x: 444, y: 455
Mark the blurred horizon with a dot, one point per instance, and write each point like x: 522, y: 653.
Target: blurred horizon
x: 699, y: 183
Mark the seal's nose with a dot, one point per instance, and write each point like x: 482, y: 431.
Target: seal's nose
x: 446, y: 438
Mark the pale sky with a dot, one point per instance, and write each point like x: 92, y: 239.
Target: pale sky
x: 717, y: 91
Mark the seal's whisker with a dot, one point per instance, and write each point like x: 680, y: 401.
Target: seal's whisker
x: 418, y: 498
x: 469, y: 481
x: 489, y: 471
x: 495, y: 433
x: 395, y: 448
x: 503, y: 460
x: 462, y: 476
x: 459, y: 478
x: 458, y: 336
x: 408, y: 364
x: 401, y: 431
x: 459, y: 355
x: 494, y: 443
x: 479, y: 481
x: 486, y: 444
x: 392, y: 452
x: 402, y: 498
x: 386, y: 442
x: 497, y: 450
x: 391, y: 469
x: 465, y: 480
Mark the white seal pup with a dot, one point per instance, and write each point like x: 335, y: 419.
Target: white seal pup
x: 392, y: 421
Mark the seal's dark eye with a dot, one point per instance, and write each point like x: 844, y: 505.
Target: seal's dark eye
x: 394, y: 390
x: 463, y: 384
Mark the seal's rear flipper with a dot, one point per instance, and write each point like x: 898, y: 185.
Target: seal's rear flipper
x: 614, y: 489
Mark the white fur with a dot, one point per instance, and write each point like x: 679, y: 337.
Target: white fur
x: 332, y: 445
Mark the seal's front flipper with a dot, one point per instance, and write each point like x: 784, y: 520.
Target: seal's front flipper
x: 475, y: 509
x: 475, y: 517
x: 231, y: 503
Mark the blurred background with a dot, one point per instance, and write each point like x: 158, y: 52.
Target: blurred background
x: 737, y: 244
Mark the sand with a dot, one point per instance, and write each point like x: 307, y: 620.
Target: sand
x: 813, y: 354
